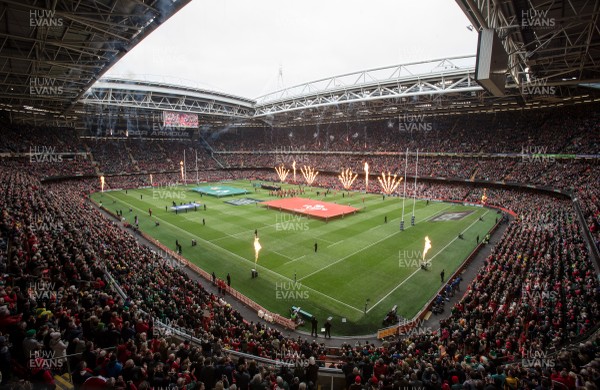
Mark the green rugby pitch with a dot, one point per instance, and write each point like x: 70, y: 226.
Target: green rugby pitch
x: 361, y: 260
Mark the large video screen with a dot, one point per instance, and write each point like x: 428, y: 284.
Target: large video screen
x: 180, y: 119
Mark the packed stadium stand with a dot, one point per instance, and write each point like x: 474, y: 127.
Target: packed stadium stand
x: 54, y: 238
x: 86, y: 302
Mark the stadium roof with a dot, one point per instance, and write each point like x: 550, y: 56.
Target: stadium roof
x: 51, y: 52
x: 116, y: 92
x: 557, y: 41
x: 438, y: 87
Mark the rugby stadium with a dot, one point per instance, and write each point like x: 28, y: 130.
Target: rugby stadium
x: 432, y: 224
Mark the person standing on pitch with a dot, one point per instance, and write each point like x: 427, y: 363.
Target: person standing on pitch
x: 442, y: 275
x: 315, y: 247
x: 327, y: 329
x: 313, y: 329
x: 228, y: 280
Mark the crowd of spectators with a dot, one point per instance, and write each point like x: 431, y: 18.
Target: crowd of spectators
x: 77, y: 165
x: 548, y: 296
x: 569, y: 130
x: 60, y: 315
x: 550, y: 172
x: 23, y: 138
x: 52, y: 244
x: 174, y: 151
x: 537, y: 287
x: 112, y: 157
x: 537, y: 291
x: 150, y: 155
x: 136, y: 154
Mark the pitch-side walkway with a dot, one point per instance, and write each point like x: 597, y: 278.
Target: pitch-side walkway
x: 335, y: 341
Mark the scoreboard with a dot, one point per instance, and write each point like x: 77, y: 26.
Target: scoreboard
x: 174, y: 119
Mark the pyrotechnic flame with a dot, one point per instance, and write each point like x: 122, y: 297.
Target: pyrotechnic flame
x: 309, y: 174
x: 257, y: 249
x: 151, y: 179
x: 294, y: 168
x: 181, y: 166
x: 282, y: 173
x: 388, y: 183
x: 346, y: 178
x: 102, y: 183
x: 427, y: 247
x: 366, y: 177
x: 484, y: 196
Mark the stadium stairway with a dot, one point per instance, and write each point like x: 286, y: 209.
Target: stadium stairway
x: 63, y: 382
x: 474, y: 174
x: 134, y: 163
x: 456, y: 121
x: 90, y: 156
x: 210, y: 151
x: 217, y: 161
x: 206, y: 145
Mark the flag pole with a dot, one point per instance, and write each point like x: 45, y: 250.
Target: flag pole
x: 197, y: 181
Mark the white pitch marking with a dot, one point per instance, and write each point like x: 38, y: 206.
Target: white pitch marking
x: 417, y: 270
x: 370, y: 245
x: 243, y: 258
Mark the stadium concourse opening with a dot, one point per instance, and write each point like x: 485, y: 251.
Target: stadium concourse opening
x: 220, y: 191
x: 313, y: 208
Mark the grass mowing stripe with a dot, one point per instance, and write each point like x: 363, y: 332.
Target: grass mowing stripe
x: 371, y: 273
x: 368, y: 246
x: 264, y: 226
x: 244, y: 259
x: 190, y: 234
x: 417, y: 270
